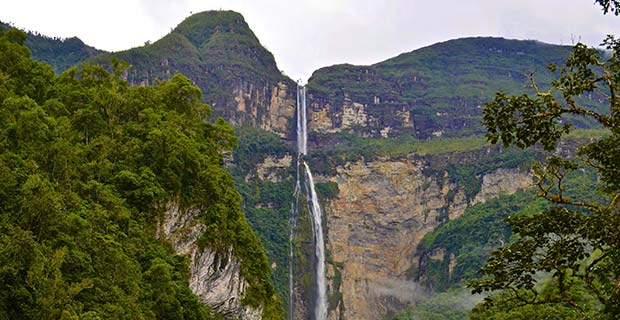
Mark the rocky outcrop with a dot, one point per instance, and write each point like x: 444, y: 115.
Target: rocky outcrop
x: 383, y: 210
x: 215, y: 276
x: 270, y: 107
x: 274, y: 169
x: 502, y: 181
x: 368, y: 118
x: 381, y: 213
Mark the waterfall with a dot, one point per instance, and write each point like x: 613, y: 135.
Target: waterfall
x: 314, y: 207
x: 319, y: 246
x: 302, y: 132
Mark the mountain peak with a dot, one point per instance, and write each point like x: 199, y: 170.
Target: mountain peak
x: 200, y: 27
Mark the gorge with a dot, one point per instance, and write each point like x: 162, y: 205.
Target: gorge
x: 397, y: 157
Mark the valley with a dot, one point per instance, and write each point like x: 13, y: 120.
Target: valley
x: 413, y: 195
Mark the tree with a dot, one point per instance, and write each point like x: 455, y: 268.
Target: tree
x: 568, y: 257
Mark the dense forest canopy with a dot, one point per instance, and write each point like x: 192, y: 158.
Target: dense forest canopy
x: 88, y: 166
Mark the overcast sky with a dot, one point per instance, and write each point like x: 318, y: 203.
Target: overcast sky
x: 305, y: 35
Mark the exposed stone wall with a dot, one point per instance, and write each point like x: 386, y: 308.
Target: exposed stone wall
x: 215, y: 277
x: 502, y: 181
x: 270, y: 107
x: 383, y: 210
x: 366, y: 119
x: 274, y: 169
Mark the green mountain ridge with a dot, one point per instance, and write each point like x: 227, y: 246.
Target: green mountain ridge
x: 442, y: 87
x: 61, y: 54
x: 219, y: 52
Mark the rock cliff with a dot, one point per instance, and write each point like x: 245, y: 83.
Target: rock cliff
x: 215, y: 276
x: 376, y: 222
x: 439, y: 90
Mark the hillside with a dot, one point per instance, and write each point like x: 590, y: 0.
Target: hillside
x: 439, y: 90
x: 61, y: 54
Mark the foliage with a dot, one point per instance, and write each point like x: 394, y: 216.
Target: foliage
x: 88, y: 165
x: 327, y: 190
x: 450, y: 305
x: 255, y: 145
x: 575, y: 240
x: 555, y: 308
x: 351, y: 147
x: 610, y: 6
x: 265, y: 203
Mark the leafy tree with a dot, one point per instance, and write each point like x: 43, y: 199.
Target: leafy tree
x: 575, y: 244
x: 610, y: 6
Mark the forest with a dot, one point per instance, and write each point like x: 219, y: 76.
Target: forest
x: 88, y: 166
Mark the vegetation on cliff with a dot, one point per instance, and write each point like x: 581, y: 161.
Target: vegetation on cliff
x: 466, y: 242
x: 266, y: 203
x: 87, y: 167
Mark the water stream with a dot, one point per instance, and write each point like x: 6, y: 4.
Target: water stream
x: 316, y: 214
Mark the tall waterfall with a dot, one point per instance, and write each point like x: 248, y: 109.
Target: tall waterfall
x: 320, y: 296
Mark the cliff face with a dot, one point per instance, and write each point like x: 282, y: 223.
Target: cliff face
x: 215, y: 276
x: 375, y: 224
x: 271, y: 107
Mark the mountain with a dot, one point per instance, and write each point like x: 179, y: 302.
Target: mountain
x: 239, y: 78
x: 61, y: 54
x: 439, y: 90
x: 398, y: 146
